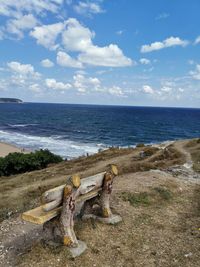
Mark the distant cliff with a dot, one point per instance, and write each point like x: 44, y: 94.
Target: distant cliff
x: 10, y: 100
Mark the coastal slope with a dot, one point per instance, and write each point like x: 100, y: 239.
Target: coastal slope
x: 157, y: 195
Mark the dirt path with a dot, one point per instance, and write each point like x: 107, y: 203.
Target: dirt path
x: 180, y: 145
x: 184, y: 171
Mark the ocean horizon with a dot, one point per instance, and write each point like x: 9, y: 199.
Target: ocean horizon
x: 73, y: 130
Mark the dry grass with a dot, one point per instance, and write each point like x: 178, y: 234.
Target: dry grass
x: 21, y: 192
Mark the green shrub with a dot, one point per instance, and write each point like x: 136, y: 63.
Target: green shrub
x: 15, y: 163
x: 140, y: 145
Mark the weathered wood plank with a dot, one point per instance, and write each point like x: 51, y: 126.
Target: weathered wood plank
x: 87, y: 184
x: 52, y: 194
x: 52, y: 205
x: 88, y: 196
x: 40, y: 216
x: 91, y: 183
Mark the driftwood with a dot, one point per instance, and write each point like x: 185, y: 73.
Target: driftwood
x: 77, y: 196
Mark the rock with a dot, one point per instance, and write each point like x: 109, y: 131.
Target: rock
x: 142, y: 154
x: 77, y: 251
x: 188, y: 255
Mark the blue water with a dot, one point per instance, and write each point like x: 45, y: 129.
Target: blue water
x: 74, y: 130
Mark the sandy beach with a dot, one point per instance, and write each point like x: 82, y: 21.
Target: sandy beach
x: 5, y: 149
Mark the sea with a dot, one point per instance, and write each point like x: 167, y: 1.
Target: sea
x: 71, y: 130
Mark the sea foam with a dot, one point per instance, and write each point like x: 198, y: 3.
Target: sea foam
x: 65, y: 148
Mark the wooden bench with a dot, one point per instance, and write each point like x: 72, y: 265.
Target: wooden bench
x: 88, y: 198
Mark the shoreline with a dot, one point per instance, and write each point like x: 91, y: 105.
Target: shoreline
x: 6, y: 148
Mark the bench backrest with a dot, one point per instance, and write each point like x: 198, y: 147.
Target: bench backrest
x: 89, y: 187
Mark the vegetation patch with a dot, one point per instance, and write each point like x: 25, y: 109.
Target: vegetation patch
x: 164, y: 193
x: 140, y: 145
x: 156, y: 196
x: 15, y: 163
x: 193, y: 142
x: 136, y: 199
x: 150, y: 150
x: 150, y: 158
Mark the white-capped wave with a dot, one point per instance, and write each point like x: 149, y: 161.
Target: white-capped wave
x: 22, y: 125
x: 64, y: 148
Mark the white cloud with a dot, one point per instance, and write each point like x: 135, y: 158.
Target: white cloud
x: 16, y: 9
x: 65, y: 60
x: 169, y: 42
x: 46, y: 63
x: 145, y: 61
x: 17, y: 26
x: 92, y: 84
x: 191, y: 62
x: 197, y: 41
x: 53, y: 84
x: 83, y: 72
x: 35, y: 88
x: 116, y: 90
x: 46, y: 35
x: 147, y: 89
x: 3, y: 85
x: 23, y: 76
x: 23, y: 69
x: 18, y: 80
x: 166, y: 89
x: 2, y: 33
x: 181, y: 90
x: 88, y: 8
x: 24, y: 14
x: 108, y: 56
x: 77, y: 38
x: 20, y: 68
x: 120, y: 32
x: 196, y: 73
x: 162, y: 16
x: 83, y: 84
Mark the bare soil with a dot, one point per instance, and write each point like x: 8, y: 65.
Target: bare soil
x: 157, y: 197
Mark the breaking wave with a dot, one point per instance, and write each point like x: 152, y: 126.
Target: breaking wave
x: 65, y: 148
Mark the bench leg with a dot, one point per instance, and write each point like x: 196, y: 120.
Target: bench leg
x: 67, y: 217
x: 105, y: 215
x: 105, y: 196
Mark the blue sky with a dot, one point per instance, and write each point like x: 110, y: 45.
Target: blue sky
x: 123, y: 52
